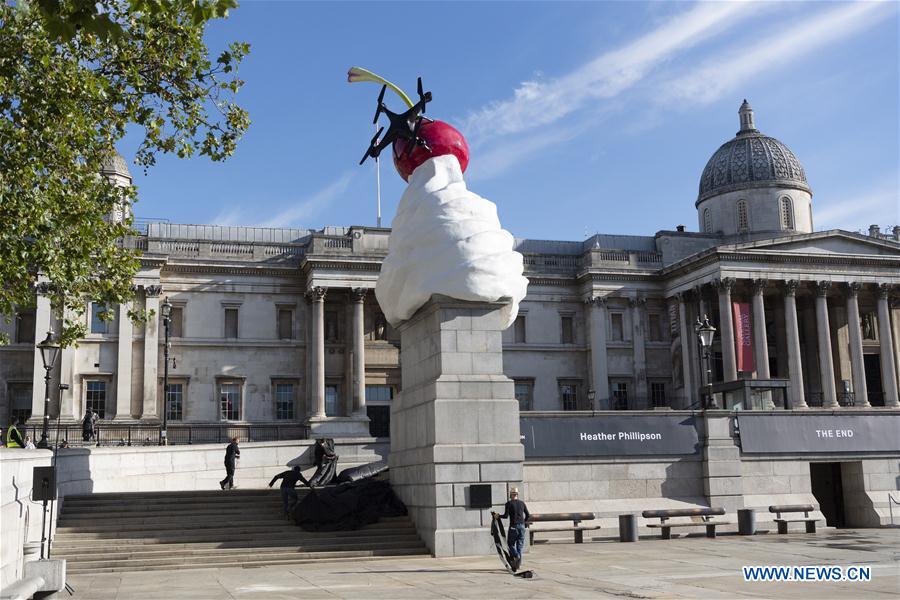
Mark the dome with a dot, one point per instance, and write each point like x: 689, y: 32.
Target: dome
x: 115, y: 165
x: 751, y: 160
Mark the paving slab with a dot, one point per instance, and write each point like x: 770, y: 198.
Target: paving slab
x: 685, y: 567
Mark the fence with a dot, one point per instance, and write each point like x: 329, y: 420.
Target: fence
x: 110, y: 434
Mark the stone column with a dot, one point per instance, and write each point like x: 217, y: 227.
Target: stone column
x: 123, y: 363
x: 639, y: 351
x: 42, y: 325
x: 760, y: 340
x: 857, y: 366
x: 455, y: 424
x: 151, y: 352
x: 726, y: 328
x: 723, y: 483
x: 687, y: 341
x: 359, y: 352
x: 826, y: 365
x: 795, y: 365
x: 886, y: 345
x: 599, y: 366
x: 318, y: 351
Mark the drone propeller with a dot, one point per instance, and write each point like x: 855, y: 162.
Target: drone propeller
x: 380, y: 104
x: 373, y: 147
x: 424, y: 97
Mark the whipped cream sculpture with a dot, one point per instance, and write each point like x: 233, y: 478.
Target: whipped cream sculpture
x: 444, y: 239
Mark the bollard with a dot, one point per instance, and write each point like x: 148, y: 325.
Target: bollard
x: 746, y: 521
x: 628, y: 531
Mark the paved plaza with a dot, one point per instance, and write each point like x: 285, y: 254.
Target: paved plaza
x: 693, y: 567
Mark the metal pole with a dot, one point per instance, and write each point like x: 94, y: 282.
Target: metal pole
x: 45, y: 431
x: 378, y: 184
x: 164, y: 440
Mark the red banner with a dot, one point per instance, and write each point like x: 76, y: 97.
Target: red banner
x: 743, y: 336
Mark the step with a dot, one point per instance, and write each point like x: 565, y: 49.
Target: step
x: 319, y: 545
x: 78, y: 553
x: 214, y: 492
x: 136, y: 505
x: 332, y: 557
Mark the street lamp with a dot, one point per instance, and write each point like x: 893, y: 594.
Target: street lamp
x: 705, y: 335
x: 591, y: 395
x: 166, y: 309
x: 49, y: 351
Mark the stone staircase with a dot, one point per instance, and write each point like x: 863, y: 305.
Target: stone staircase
x: 149, y: 531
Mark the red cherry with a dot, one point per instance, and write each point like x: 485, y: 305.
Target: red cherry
x: 441, y: 137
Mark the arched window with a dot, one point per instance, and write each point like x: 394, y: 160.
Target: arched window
x: 787, y: 213
x: 707, y: 221
x: 743, y: 218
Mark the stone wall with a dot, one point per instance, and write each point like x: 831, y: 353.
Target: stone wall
x: 20, y: 517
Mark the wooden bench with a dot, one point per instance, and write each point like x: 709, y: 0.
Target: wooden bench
x: 703, y: 513
x: 576, y: 527
x: 794, y: 508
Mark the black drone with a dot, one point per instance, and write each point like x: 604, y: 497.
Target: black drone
x: 403, y: 125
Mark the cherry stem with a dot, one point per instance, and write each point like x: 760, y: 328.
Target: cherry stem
x: 356, y: 74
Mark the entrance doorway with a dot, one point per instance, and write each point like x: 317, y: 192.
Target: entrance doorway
x: 827, y: 487
x: 872, y: 368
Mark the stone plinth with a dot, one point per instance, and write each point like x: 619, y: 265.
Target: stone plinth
x: 338, y: 427
x: 456, y: 423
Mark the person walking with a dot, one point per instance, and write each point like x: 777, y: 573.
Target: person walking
x: 289, y: 481
x: 232, y: 453
x: 518, y: 515
x: 13, y: 437
x: 87, y: 426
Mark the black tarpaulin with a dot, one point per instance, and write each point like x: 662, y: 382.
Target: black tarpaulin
x: 347, y: 506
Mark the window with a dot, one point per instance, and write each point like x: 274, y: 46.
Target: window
x: 20, y: 401
x: 707, y: 221
x: 95, y: 397
x: 175, y: 401
x: 25, y: 327
x: 743, y: 218
x: 176, y: 322
x: 285, y: 324
x: 655, y: 327
x: 619, y: 395
x: 98, y: 323
x: 524, y: 389
x: 519, y: 330
x: 787, y: 213
x: 616, y: 327
x: 284, y: 401
x: 332, y: 397
x: 658, y: 393
x: 230, y: 400
x: 379, y: 394
x: 332, y: 331
x: 231, y: 322
x: 568, y: 395
x: 567, y: 329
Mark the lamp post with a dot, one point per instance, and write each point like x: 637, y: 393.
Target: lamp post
x: 166, y: 309
x: 591, y: 395
x: 705, y: 335
x: 49, y: 351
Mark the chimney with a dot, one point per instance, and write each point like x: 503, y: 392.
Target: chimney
x: 679, y: 228
x: 897, y: 233
x: 874, y: 231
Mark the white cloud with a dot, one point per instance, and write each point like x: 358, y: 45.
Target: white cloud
x: 708, y: 82
x: 536, y: 103
x: 879, y: 205
x: 293, y: 216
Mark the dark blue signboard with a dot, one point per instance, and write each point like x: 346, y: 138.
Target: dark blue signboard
x: 608, y: 435
x: 793, y: 433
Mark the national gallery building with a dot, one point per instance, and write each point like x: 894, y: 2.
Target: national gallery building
x: 281, y: 326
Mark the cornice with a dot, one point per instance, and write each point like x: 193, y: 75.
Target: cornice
x: 230, y: 269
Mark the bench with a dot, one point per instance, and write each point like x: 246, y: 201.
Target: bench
x: 703, y: 513
x: 794, y: 508
x: 576, y: 527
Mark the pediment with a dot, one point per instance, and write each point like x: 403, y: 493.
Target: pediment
x: 826, y: 243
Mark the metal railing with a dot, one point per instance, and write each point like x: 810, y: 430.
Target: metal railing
x: 110, y: 434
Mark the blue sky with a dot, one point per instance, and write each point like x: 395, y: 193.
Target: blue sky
x: 581, y: 116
